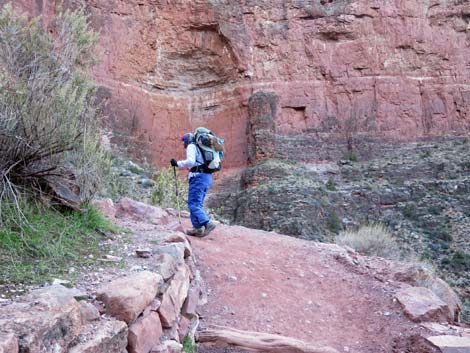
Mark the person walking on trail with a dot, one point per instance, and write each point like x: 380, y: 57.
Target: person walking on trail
x: 199, y: 184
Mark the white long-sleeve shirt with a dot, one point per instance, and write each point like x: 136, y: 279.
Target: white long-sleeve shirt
x: 190, y: 160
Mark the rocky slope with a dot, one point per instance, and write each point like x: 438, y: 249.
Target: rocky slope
x: 329, y: 297
x: 420, y: 191
x: 260, y: 71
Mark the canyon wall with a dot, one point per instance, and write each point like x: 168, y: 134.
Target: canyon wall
x: 273, y: 76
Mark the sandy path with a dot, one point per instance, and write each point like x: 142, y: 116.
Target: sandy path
x: 265, y: 282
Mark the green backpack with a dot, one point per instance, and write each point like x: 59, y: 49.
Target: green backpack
x: 211, y: 147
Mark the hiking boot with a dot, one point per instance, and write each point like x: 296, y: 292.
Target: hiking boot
x: 196, y: 232
x: 209, y: 228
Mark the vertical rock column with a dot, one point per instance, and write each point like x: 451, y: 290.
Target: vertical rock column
x: 262, y: 108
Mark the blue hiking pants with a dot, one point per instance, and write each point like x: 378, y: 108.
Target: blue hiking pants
x: 199, y: 184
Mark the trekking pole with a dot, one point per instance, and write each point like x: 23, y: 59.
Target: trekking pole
x: 177, y: 195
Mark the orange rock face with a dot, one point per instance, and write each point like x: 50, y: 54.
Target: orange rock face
x: 395, y: 69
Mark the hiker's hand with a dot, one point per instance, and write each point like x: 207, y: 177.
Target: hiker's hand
x: 174, y: 163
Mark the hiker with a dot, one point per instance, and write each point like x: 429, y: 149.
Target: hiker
x: 199, y: 183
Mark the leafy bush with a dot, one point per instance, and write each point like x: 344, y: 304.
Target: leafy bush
x: 331, y: 184
x: 333, y: 223
x: 425, y: 154
x: 118, y: 183
x: 47, y: 241
x: 188, y: 345
x: 350, y: 156
x: 435, y: 209
x: 371, y: 240
x: 440, y: 233
x: 49, y: 139
x: 465, y: 315
x: 460, y: 261
x: 164, y: 192
x: 410, y: 212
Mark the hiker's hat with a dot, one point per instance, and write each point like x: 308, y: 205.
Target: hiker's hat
x: 187, y: 139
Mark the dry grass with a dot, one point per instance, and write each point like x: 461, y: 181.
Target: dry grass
x: 48, y: 114
x: 371, y: 240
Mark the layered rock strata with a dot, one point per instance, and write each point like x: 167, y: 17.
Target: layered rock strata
x: 339, y: 71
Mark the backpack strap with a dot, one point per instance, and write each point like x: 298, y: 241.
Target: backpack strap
x: 202, y: 168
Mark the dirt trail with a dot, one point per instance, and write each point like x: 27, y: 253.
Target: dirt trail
x: 261, y: 281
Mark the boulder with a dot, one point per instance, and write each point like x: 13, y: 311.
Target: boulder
x: 106, y: 206
x: 108, y: 336
x: 174, y: 297
x: 183, y: 327
x: 48, y: 322
x: 420, y: 276
x: 8, y: 343
x: 421, y: 304
x: 451, y: 344
x: 141, y: 211
x: 127, y: 297
x: 187, y: 328
x: 145, y: 333
x: 165, y: 265
x: 178, y: 237
x: 445, y: 329
x: 177, y: 250
x: 174, y: 347
x: 88, y: 312
x: 447, y: 295
x: 191, y: 263
x: 191, y: 302
x: 169, y: 346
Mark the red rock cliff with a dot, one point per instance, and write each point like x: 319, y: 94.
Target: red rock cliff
x: 316, y: 69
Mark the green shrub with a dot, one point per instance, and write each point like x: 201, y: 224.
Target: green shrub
x: 49, y: 138
x: 460, y: 261
x: 371, y: 240
x: 116, y: 185
x: 188, y: 345
x: 425, y: 154
x: 46, y: 242
x: 435, y: 209
x: 333, y: 222
x: 164, y: 191
x: 465, y: 315
x: 440, y: 233
x: 410, y: 212
x: 331, y: 184
x: 350, y: 156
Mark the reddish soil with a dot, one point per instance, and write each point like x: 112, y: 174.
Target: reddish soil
x: 265, y: 282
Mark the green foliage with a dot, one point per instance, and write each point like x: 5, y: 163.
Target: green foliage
x: 460, y: 261
x: 115, y: 185
x: 350, y: 156
x: 410, y: 212
x: 435, y: 209
x: 45, y: 242
x: 465, y: 315
x: 440, y: 233
x: 333, y: 222
x: 371, y: 240
x: 164, y: 192
x: 48, y: 112
x: 331, y: 184
x: 189, y: 346
x: 425, y: 154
